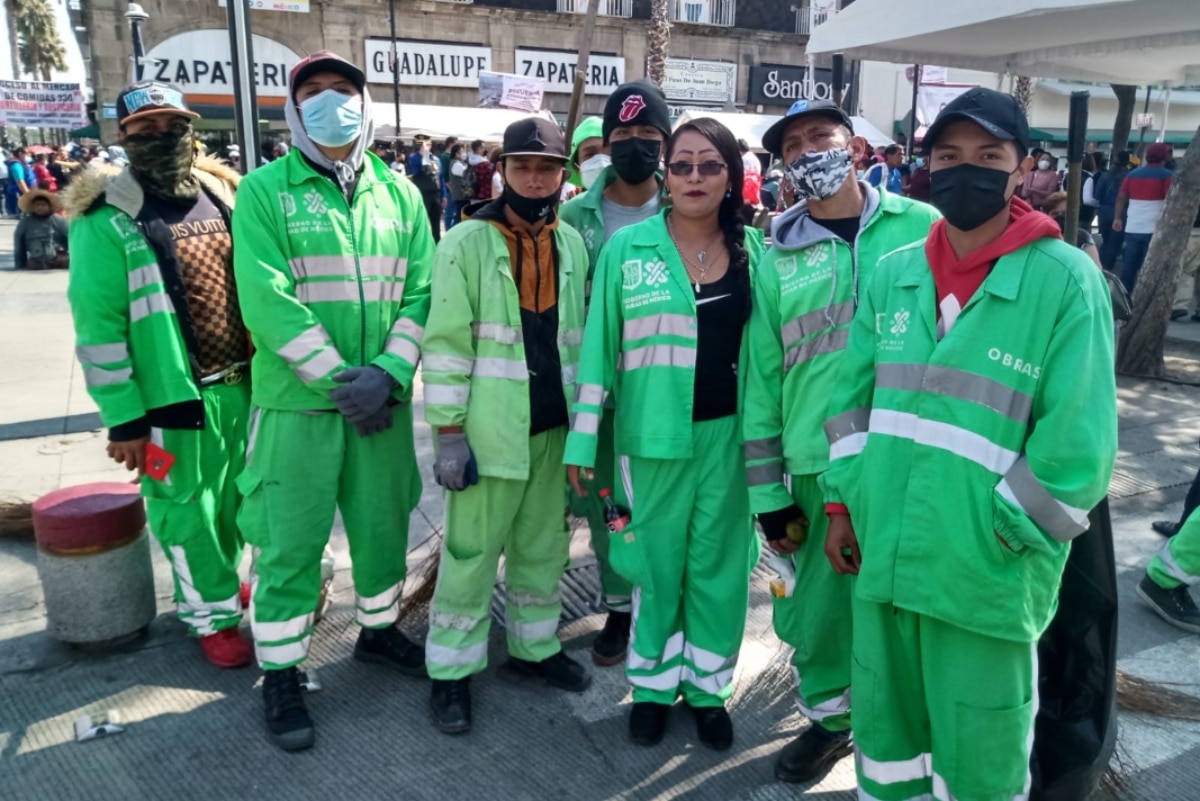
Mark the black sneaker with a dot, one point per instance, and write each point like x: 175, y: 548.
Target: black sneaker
x: 450, y: 706
x: 1196, y: 318
x: 390, y: 647
x: 713, y: 727
x: 648, y: 722
x: 1168, y: 528
x: 812, y: 754
x: 288, y: 723
x: 559, y: 671
x: 1174, y: 606
x: 1178, y: 314
x: 610, y: 645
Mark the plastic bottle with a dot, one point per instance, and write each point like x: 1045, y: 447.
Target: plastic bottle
x: 617, y: 517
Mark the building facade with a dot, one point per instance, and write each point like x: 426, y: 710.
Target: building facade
x: 725, y: 54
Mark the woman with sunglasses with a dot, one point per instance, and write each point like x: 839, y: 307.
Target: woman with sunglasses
x: 670, y: 301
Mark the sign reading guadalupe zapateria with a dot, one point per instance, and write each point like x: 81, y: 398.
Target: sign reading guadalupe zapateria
x: 781, y: 85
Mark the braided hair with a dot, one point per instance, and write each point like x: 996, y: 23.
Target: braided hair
x: 729, y: 215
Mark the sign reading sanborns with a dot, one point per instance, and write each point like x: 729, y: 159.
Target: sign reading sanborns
x: 427, y: 63
x: 37, y: 104
x: 557, y: 69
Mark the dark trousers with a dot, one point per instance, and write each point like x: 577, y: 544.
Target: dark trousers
x: 1134, y: 254
x: 1191, y: 501
x: 1110, y: 242
x: 433, y: 208
x: 10, y: 204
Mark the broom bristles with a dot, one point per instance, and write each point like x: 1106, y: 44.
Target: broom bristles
x: 16, y: 519
x: 417, y: 602
x: 1138, y: 695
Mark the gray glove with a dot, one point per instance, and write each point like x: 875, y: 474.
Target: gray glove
x: 455, y: 467
x: 365, y: 391
x: 380, y: 421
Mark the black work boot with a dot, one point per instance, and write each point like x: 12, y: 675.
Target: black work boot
x: 1174, y: 606
x: 450, y: 705
x: 648, y: 722
x: 288, y: 723
x: 713, y: 727
x: 559, y: 671
x: 1167, y: 528
x: 391, y: 648
x: 812, y: 754
x: 610, y: 645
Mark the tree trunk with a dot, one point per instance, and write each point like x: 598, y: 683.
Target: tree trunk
x: 10, y: 15
x: 1126, y: 105
x: 1141, y: 349
x: 659, y: 36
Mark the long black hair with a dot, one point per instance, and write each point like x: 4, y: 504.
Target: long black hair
x: 729, y: 215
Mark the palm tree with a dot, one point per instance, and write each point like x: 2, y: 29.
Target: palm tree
x: 12, y: 10
x: 41, y: 47
x: 1023, y: 92
x: 659, y: 35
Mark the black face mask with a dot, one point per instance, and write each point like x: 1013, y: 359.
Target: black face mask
x: 530, y: 209
x: 967, y: 195
x: 635, y: 160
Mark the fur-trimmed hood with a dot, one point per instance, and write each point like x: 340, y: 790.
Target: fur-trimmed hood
x: 121, y: 189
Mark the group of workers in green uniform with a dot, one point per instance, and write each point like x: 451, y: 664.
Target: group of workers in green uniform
x: 917, y: 402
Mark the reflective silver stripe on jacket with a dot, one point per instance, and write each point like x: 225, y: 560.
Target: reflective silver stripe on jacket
x: 570, y: 337
x: 501, y: 368
x: 806, y: 325
x: 319, y: 366
x: 409, y: 328
x: 657, y: 356
x: 831, y: 341
x: 681, y: 325
x: 1021, y: 488
x: 305, y: 345
x: 102, y: 354
x: 764, y: 475
x: 766, y: 448
x: 144, y: 276
x: 855, y: 421
x: 590, y: 394
x: 155, y: 303
x: 446, y: 363
x: 497, y: 332
x: 442, y: 395
x: 343, y: 266
x: 570, y: 373
x: 348, y: 291
x: 404, y: 348
x: 1173, y: 569
x: 586, y: 423
x: 99, y: 377
x: 960, y: 384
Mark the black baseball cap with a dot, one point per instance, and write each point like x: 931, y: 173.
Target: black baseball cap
x: 996, y: 112
x: 151, y: 97
x: 534, y: 136
x: 773, y: 139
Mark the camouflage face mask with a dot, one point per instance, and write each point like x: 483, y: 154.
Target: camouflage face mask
x: 162, y: 163
x: 819, y: 176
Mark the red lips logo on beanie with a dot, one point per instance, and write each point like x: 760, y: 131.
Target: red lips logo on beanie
x: 632, y: 107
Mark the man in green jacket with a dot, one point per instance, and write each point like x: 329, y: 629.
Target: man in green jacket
x: 824, y: 250
x: 333, y: 260
x: 500, y: 358
x: 636, y: 125
x: 972, y: 428
x: 164, y: 351
x: 1174, y: 569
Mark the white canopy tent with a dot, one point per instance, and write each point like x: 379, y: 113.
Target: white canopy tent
x: 751, y: 127
x: 1140, y: 42
x: 438, y: 122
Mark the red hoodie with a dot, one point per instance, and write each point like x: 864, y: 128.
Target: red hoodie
x: 957, y: 279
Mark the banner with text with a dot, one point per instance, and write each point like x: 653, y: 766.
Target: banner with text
x: 36, y: 104
x: 700, y: 81
x: 500, y: 90
x: 297, y: 6
x: 931, y: 99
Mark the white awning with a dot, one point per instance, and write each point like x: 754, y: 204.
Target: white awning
x: 438, y: 122
x: 751, y: 127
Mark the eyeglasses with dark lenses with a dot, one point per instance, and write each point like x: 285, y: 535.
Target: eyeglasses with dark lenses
x: 709, y: 169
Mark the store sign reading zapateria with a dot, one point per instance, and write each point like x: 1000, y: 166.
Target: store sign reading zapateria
x: 428, y: 63
x: 557, y: 69
x: 200, y: 64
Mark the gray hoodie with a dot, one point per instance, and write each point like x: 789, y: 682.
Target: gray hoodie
x: 346, y: 171
x: 796, y: 229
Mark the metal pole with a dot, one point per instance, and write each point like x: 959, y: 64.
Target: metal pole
x: 245, y: 100
x: 1162, y: 131
x: 581, y: 66
x: 139, y: 50
x: 837, y: 77
x: 1076, y: 136
x: 912, y: 126
x: 395, y: 66
x: 1142, y: 135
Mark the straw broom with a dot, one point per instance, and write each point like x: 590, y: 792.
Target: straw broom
x: 16, y: 520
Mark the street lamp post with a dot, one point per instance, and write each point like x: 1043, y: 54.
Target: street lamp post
x: 136, y: 16
x: 395, y: 65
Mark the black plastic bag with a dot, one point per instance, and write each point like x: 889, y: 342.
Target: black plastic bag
x: 1076, y: 728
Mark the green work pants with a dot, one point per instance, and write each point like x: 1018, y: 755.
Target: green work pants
x: 1178, y: 561
x: 618, y: 592
x: 522, y: 520
x: 301, y: 467
x: 193, y: 511
x: 815, y: 619
x: 939, y: 709
x: 688, y: 551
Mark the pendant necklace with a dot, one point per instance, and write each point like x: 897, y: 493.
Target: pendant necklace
x: 702, y: 255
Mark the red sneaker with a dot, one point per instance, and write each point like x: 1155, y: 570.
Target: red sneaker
x: 244, y: 594
x: 227, y: 649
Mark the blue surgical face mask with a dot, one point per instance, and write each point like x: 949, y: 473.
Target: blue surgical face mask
x: 920, y: 162
x: 331, y: 118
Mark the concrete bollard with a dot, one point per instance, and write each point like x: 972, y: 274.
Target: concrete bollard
x: 94, y: 563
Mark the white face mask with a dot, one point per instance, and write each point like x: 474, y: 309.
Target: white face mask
x: 1043, y: 165
x: 589, y: 171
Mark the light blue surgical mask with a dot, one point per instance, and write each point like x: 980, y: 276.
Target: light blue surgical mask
x: 331, y: 118
x: 920, y: 162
